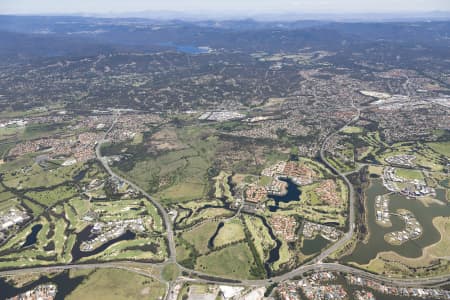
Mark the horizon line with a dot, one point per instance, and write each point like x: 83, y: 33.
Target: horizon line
x: 224, y: 16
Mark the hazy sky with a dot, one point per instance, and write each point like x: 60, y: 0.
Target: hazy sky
x: 226, y: 6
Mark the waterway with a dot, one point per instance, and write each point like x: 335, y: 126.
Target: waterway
x: 85, y: 234
x: 293, y: 194
x: 31, y: 239
x: 364, y: 252
x: 274, y: 253
x: 65, y: 285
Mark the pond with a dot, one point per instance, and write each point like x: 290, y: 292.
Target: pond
x: 80, y: 175
x: 364, y: 252
x: 32, y: 237
x: 312, y: 246
x: 293, y: 194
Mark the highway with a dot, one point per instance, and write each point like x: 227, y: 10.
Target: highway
x: 139, y: 268
x: 351, y: 194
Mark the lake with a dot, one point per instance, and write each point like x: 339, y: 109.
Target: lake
x: 312, y: 246
x: 188, y: 49
x: 31, y: 239
x: 376, y: 243
x: 293, y: 194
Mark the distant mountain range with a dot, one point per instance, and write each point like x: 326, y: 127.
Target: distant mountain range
x: 28, y: 37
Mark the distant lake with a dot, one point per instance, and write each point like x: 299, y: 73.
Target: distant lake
x: 189, y: 49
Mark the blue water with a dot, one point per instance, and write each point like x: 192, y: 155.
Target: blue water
x: 188, y: 49
x: 314, y: 246
x: 293, y: 194
x: 32, y: 237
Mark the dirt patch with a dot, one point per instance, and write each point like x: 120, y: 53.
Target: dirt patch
x: 164, y: 140
x: 145, y: 291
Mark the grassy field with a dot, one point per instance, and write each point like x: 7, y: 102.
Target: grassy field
x: 35, y: 176
x: 426, y: 157
x: 442, y: 148
x: 7, y: 200
x: 409, y: 174
x: 441, y: 249
x: 207, y: 214
x: 50, y: 197
x: 231, y: 232
x: 233, y: 262
x: 200, y: 235
x: 11, y: 132
x: 111, y: 284
x: 340, y: 164
x: 309, y: 195
x: 36, y: 208
x: 133, y: 250
x: 175, y: 175
x: 352, y: 130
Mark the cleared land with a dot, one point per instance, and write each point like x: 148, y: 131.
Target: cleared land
x: 231, y: 232
x: 238, y: 258
x: 200, y: 235
x: 111, y: 284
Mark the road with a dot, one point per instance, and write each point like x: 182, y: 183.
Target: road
x: 162, y: 211
x: 139, y: 268
x: 351, y: 194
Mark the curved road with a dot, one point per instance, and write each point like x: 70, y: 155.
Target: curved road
x: 163, y: 212
x: 351, y: 194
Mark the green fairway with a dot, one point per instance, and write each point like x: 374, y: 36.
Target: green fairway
x: 50, y: 197
x: 441, y: 147
x: 352, y: 129
x: 260, y: 233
